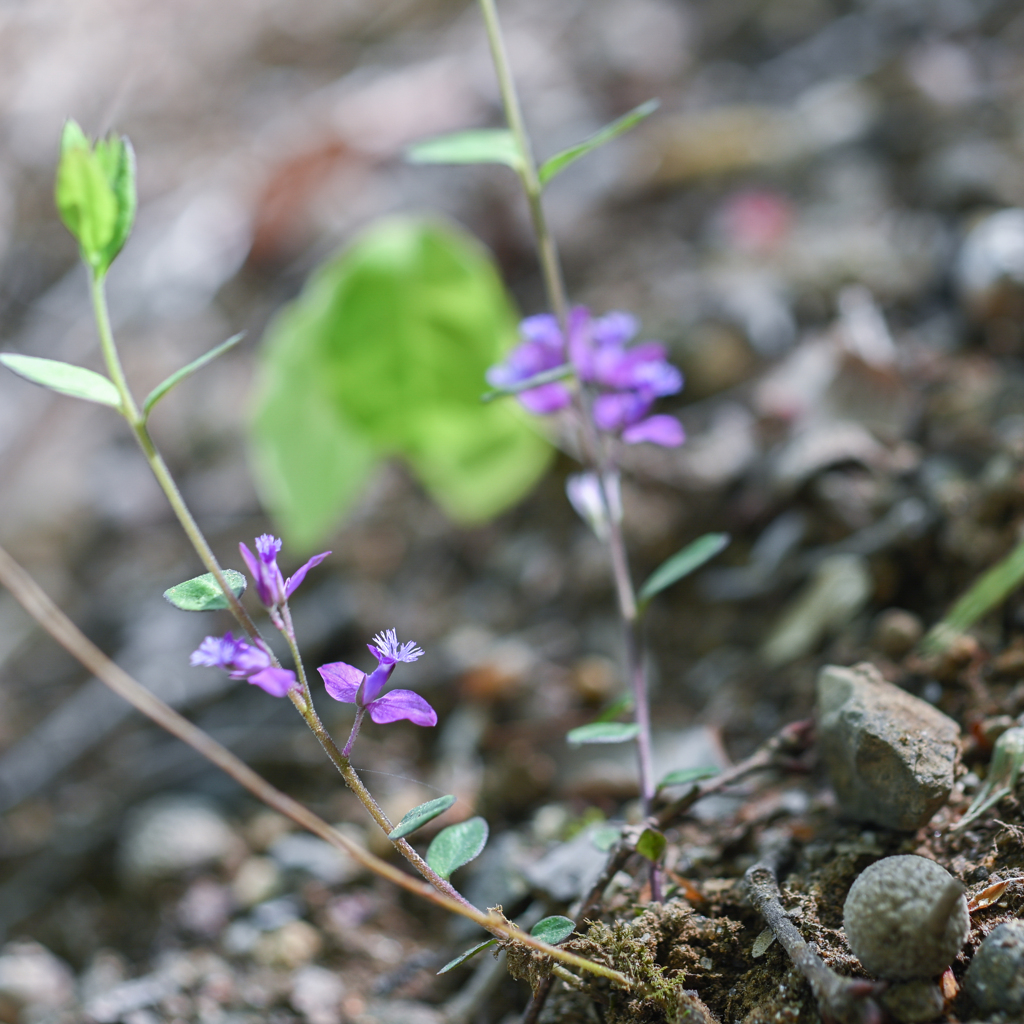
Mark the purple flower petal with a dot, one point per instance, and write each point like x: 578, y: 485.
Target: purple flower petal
x: 545, y: 399
x: 615, y: 328
x: 543, y: 329
x: 399, y: 704
x: 300, y: 574
x: 581, y: 346
x: 248, y: 660
x: 342, y: 681
x: 275, y: 681
x: 375, y: 682
x: 268, y: 547
x: 664, y: 430
x: 620, y: 408
x: 215, y: 652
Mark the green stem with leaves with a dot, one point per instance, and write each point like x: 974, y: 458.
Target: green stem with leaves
x: 554, y: 285
x: 303, y: 701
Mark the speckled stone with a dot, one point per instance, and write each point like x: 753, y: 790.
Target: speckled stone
x: 890, y: 756
x: 906, y: 917
x: 995, y: 979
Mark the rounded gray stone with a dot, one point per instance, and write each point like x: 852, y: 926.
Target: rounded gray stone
x: 995, y: 978
x: 906, y: 917
x: 889, y: 755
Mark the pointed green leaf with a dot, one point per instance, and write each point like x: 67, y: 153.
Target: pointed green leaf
x: 604, y: 837
x: 651, y: 844
x: 457, y: 845
x: 469, y: 954
x: 603, y: 732
x: 553, y: 930
x: 76, y: 381
x: 186, y: 371
x: 419, y: 816
x: 684, y: 776
x: 619, y: 706
x: 558, y: 163
x: 95, y: 194
x: 203, y: 593
x: 682, y: 563
x: 480, y: 146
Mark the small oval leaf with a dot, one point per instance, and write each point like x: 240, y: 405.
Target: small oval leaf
x: 762, y: 942
x: 651, y: 844
x: 479, y: 146
x: 467, y: 955
x: 682, y: 563
x: 419, y: 816
x: 457, y: 845
x: 603, y: 732
x: 65, y: 378
x: 683, y: 776
x: 553, y: 930
x: 203, y: 593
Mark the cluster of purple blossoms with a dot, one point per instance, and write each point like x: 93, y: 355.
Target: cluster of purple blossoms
x: 344, y: 682
x: 243, y: 661
x: 350, y: 685
x: 628, y: 380
x: 271, y: 586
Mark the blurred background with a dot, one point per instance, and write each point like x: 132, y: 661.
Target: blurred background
x: 822, y: 223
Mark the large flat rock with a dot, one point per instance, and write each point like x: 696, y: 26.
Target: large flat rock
x: 890, y: 756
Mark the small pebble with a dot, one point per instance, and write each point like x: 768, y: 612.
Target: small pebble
x: 299, y: 851
x: 896, y: 632
x: 906, y: 917
x: 292, y: 945
x: 256, y: 880
x: 317, y: 994
x: 913, y: 1002
x: 995, y: 978
x: 34, y: 978
x: 889, y: 755
x: 173, y: 834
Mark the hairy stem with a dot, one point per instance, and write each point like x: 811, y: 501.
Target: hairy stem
x: 37, y: 603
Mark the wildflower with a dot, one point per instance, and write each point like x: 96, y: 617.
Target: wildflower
x: 586, y: 495
x: 243, y: 661
x: 627, y: 380
x: 350, y: 685
x: 272, y: 587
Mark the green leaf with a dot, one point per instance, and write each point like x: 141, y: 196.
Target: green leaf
x: 384, y: 354
x: 558, y: 163
x: 76, y: 381
x: 682, y: 563
x: 651, y: 844
x: 457, y: 845
x: 469, y: 954
x: 603, y: 732
x: 203, y: 593
x: 619, y: 706
x: 186, y: 371
x: 991, y: 589
x: 553, y: 930
x: 480, y: 146
x: 604, y: 837
x: 419, y: 816
x: 95, y: 194
x: 684, y: 776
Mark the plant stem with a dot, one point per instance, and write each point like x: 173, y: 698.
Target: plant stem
x: 555, y: 287
x: 303, y: 702
x: 550, y: 266
x: 37, y: 603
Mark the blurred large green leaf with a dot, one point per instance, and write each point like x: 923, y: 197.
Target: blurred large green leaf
x: 384, y: 353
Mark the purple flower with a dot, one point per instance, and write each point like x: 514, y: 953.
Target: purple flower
x: 272, y: 587
x: 350, y: 685
x: 243, y: 661
x: 628, y: 380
